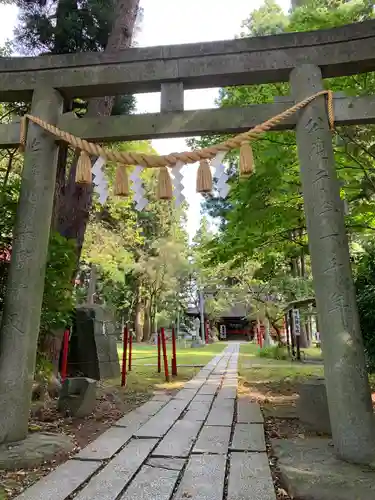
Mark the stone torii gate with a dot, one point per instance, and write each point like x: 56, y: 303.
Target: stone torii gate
x: 303, y: 59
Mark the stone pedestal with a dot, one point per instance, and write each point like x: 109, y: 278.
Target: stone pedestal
x: 34, y: 450
x: 93, y: 345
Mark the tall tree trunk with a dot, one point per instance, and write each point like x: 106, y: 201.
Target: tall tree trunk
x: 147, y: 322
x: 138, y: 320
x: 74, y: 200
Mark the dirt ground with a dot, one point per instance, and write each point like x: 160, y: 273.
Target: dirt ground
x: 112, y: 403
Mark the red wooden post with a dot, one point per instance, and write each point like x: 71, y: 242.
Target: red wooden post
x: 164, y: 347
x: 130, y: 352
x: 64, y: 361
x: 174, y: 354
x: 206, y: 332
x: 124, y: 353
x: 159, y: 351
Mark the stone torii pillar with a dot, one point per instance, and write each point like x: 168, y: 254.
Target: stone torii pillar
x: 25, y: 285
x: 347, y: 385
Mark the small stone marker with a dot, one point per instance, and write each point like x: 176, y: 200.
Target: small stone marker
x: 179, y: 440
x: 213, y: 439
x: 77, y: 397
x: 115, y: 476
x: 203, y: 478
x: 250, y: 477
x: 248, y: 437
x: 312, y: 405
x: 62, y: 482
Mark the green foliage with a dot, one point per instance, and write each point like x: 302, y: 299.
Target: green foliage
x: 141, y: 257
x: 58, y: 298
x: 273, y: 352
x: 259, y: 256
x: 67, y: 26
x: 365, y: 288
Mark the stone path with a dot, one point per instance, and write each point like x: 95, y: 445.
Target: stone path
x: 202, y: 444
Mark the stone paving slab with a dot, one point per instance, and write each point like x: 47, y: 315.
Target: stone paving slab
x: 248, y: 437
x: 161, y: 397
x: 203, y: 398
x: 213, y: 439
x: 221, y: 413
x: 187, y: 394
x: 166, y: 463
x: 250, y: 477
x: 197, y: 411
x: 109, y: 483
x: 227, y: 392
x: 248, y: 412
x: 179, y: 440
x: 151, y: 407
x: 106, y: 445
x: 152, y: 483
x: 159, y: 424
x: 133, y: 419
x: 62, y: 482
x: 141, y: 414
x: 194, y: 384
x: 210, y: 387
x: 203, y: 478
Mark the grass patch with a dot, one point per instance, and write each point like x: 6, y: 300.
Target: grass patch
x: 272, y: 375
x: 146, y: 379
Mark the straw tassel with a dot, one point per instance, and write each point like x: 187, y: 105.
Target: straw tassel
x: 246, y: 160
x: 204, y: 177
x: 83, y: 172
x: 121, y: 186
x: 164, y: 185
x: 23, y: 133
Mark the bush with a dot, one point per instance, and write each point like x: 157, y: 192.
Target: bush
x: 274, y: 352
x: 365, y: 289
x: 58, y: 299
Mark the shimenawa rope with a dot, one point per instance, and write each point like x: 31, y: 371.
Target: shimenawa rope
x: 156, y: 161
